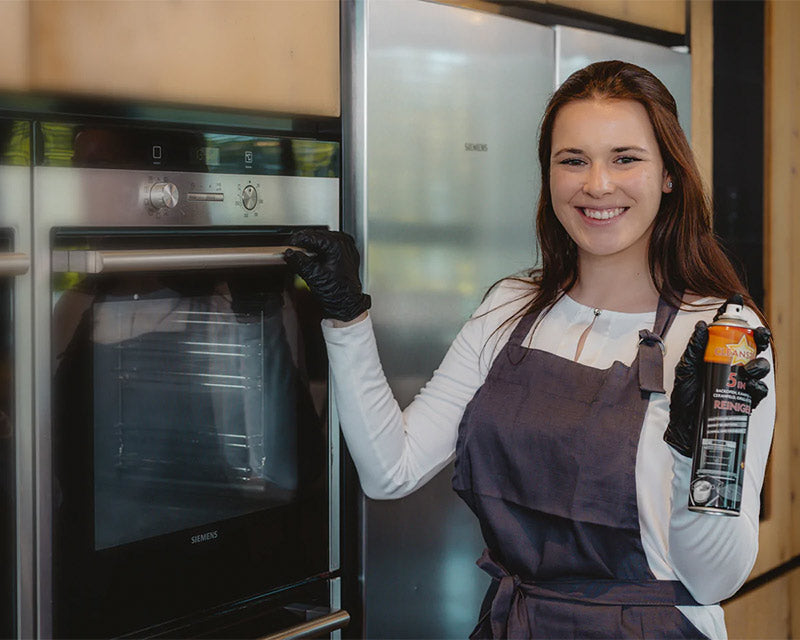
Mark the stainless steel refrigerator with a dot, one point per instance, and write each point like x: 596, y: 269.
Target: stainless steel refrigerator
x: 441, y: 108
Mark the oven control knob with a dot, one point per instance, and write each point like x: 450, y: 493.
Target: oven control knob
x: 164, y: 195
x: 249, y: 197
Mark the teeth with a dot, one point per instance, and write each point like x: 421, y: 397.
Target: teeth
x: 602, y: 214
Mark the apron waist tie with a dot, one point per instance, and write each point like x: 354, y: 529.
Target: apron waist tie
x: 509, y: 615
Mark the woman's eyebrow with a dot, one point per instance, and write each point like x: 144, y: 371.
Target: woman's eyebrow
x: 568, y: 150
x: 623, y: 149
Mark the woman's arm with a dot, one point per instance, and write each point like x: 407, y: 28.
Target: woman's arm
x: 396, y: 452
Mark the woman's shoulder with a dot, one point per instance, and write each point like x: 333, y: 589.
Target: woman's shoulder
x: 509, y: 291
x: 703, y: 305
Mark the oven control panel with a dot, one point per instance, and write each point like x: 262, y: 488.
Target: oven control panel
x: 108, y: 175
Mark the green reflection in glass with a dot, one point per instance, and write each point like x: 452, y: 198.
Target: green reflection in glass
x: 17, y: 147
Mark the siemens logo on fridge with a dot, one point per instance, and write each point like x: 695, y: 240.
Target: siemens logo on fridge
x: 205, y: 537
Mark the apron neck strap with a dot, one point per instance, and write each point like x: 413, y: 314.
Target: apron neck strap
x: 665, y: 314
x: 652, y: 349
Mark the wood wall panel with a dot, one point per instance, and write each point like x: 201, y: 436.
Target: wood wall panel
x: 780, y: 533
x: 668, y: 15
x: 269, y: 55
x: 14, y: 44
x: 702, y: 47
x: 765, y: 612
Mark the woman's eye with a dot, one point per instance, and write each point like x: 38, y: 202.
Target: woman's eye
x: 572, y: 162
x: 627, y: 159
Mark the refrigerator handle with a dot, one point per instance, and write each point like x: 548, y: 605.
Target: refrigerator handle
x: 119, y: 261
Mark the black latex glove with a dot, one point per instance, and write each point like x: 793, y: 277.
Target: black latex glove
x: 332, y: 273
x: 684, y: 403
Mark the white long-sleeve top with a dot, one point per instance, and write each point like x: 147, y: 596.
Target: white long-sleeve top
x: 396, y: 451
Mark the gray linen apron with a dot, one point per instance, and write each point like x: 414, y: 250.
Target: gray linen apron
x: 546, y: 458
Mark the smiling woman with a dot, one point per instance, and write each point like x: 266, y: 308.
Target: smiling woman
x: 569, y: 399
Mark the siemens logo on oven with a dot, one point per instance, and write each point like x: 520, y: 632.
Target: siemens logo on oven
x: 205, y: 537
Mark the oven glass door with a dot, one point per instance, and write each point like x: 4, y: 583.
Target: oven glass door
x: 190, y: 429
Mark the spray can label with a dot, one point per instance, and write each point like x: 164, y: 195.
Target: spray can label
x: 718, y: 462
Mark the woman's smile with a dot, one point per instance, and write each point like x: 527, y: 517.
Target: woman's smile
x: 597, y: 214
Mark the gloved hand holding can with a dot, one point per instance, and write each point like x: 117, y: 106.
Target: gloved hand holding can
x: 718, y: 382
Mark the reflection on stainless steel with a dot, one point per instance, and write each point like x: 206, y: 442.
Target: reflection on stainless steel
x: 81, y: 261
x: 16, y: 433
x: 579, y: 47
x: 313, y: 628
x: 442, y: 190
x: 168, y: 411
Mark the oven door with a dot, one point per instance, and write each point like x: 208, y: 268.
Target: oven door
x: 190, y: 426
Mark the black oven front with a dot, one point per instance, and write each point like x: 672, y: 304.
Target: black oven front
x: 191, y: 465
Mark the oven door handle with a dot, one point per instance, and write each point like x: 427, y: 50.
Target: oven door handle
x: 331, y: 622
x: 121, y: 261
x: 14, y: 264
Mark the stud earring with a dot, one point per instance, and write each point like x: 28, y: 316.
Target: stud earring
x: 669, y: 184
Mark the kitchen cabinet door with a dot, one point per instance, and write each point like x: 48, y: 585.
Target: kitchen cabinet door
x: 14, y: 45
x: 267, y: 55
x: 669, y: 15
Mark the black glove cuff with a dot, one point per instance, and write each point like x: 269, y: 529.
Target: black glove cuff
x: 673, y: 439
x: 355, y: 307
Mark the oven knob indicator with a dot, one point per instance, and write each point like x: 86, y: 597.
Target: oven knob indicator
x: 249, y: 197
x: 164, y: 195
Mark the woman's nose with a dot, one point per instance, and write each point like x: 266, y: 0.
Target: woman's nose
x: 598, y: 181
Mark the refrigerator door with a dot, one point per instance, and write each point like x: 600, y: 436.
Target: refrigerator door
x: 16, y: 433
x: 575, y: 48
x: 453, y: 100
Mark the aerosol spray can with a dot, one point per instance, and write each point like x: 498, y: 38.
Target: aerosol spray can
x: 718, y: 462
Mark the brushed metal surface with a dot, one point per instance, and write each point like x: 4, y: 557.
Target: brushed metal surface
x: 68, y: 196
x: 15, y: 214
x: 443, y: 184
x: 579, y: 47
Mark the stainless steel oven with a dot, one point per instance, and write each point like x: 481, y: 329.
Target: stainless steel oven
x: 187, y: 461
x: 16, y: 511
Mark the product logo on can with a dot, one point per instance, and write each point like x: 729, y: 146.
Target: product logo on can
x: 730, y: 345
x: 739, y: 353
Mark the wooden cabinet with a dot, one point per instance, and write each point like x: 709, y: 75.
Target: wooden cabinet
x: 267, y: 55
x: 14, y: 45
x: 770, y: 611
x: 780, y: 534
x: 668, y: 15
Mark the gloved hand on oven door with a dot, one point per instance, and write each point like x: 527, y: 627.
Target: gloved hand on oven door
x: 331, y: 272
x: 684, y: 403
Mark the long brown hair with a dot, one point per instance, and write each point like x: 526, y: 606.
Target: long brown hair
x: 683, y: 255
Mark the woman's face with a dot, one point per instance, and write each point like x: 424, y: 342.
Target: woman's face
x: 606, y: 176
